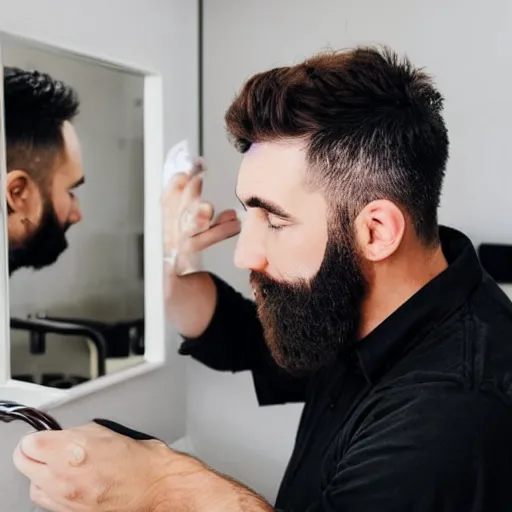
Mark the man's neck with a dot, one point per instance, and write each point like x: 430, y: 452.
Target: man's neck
x: 395, y: 283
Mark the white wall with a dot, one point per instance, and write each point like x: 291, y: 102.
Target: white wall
x: 465, y: 43
x: 156, y: 34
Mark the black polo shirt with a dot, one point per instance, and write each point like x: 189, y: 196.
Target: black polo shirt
x: 418, y: 419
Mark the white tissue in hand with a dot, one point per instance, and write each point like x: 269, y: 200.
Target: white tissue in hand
x: 177, y: 160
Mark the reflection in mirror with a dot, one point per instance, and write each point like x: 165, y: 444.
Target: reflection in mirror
x: 75, y: 193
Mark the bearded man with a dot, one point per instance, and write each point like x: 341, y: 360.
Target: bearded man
x: 44, y: 167
x: 381, y: 321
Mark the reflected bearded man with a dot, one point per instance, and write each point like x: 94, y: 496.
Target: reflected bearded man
x: 44, y: 167
x: 376, y: 318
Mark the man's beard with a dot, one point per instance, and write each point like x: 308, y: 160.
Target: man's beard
x: 43, y: 247
x: 308, y: 324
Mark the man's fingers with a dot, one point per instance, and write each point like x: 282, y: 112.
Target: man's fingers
x: 172, y: 194
x: 54, y: 447
x: 39, y: 445
x: 193, y: 189
x: 204, y: 212
x: 196, y: 219
x: 23, y: 463
x: 177, y: 183
x: 40, y: 498
x: 181, y: 180
x: 40, y: 495
x: 225, y: 216
x: 199, y: 166
x: 212, y: 236
x: 34, y: 470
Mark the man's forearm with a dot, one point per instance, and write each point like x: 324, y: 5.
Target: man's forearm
x: 189, y: 301
x: 191, y: 486
x: 218, y: 493
x: 231, y: 496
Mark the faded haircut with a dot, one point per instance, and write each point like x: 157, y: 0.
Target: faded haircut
x: 36, y: 106
x: 372, y: 124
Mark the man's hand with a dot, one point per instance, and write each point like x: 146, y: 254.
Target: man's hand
x: 93, y: 469
x: 189, y: 224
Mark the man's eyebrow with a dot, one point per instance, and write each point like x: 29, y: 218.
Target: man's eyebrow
x: 268, y: 206
x: 81, y: 181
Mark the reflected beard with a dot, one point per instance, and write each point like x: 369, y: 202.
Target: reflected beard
x: 43, y: 247
x: 307, y: 324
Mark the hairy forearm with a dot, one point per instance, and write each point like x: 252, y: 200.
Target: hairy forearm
x: 197, y: 488
x: 231, y: 496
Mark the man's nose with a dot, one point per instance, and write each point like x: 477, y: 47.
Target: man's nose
x: 75, y: 215
x: 249, y: 252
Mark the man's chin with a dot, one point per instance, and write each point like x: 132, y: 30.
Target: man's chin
x: 27, y: 263
x: 294, y: 364
x: 293, y: 368
x: 48, y: 263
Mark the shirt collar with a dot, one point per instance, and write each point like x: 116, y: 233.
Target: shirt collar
x: 427, y: 308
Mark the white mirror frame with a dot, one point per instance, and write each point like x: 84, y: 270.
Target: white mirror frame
x: 35, y: 395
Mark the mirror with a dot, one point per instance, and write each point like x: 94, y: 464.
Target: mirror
x: 82, y: 316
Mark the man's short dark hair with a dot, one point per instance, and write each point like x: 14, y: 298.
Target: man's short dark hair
x: 36, y: 106
x: 372, y: 123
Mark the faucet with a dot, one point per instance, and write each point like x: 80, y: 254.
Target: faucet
x: 10, y: 411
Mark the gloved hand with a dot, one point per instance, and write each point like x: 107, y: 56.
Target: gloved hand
x: 189, y: 224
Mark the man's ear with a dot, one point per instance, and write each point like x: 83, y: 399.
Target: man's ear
x: 23, y: 196
x: 380, y: 228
